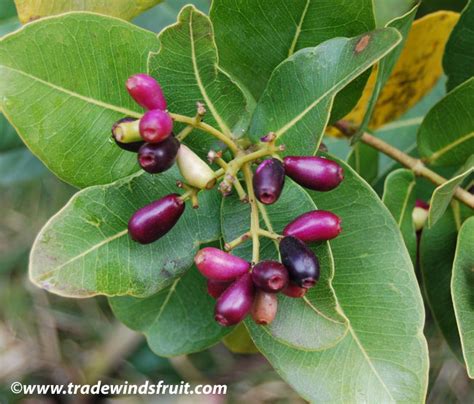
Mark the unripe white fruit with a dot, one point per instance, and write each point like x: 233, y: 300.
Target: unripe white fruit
x: 420, y: 216
x: 194, y: 170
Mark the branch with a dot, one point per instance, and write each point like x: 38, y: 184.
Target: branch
x: 416, y: 165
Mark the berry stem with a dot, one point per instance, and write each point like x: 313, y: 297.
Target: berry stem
x: 254, y: 216
x: 216, y: 158
x: 238, y: 241
x: 270, y: 234
x: 416, y: 165
x: 198, y: 124
x: 184, y: 133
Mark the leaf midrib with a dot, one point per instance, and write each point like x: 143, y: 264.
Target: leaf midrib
x: 89, y: 100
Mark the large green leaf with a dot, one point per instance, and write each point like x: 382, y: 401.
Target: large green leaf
x: 443, y: 194
x: 30, y: 10
x: 383, y: 358
x: 401, y: 21
x: 187, y: 69
x: 310, y: 323
x: 437, y: 248
x: 297, y: 101
x: 446, y: 136
x: 387, y: 10
x: 255, y: 36
x: 85, y: 250
x: 63, y: 91
x: 458, y: 59
x: 462, y: 290
x: 177, y: 320
x: 399, y: 197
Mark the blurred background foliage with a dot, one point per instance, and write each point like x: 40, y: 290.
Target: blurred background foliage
x: 48, y: 339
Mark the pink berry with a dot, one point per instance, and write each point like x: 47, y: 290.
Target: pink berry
x: 317, y: 225
x: 155, y: 126
x: 220, y: 266
x: 146, y: 91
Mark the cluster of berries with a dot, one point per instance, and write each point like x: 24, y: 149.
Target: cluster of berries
x: 239, y: 286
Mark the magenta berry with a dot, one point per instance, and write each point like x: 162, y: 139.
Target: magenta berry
x: 268, y: 181
x: 158, y: 157
x: 153, y: 221
x: 155, y: 126
x: 235, y: 303
x: 295, y: 291
x: 270, y: 276
x: 317, y: 225
x: 264, y: 308
x: 146, y: 91
x: 220, y: 266
x: 300, y: 261
x: 317, y: 173
x: 216, y: 288
x: 420, y: 203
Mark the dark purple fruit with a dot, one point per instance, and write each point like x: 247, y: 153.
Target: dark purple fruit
x: 158, y: 157
x: 270, y: 276
x: 146, y: 91
x: 294, y: 291
x: 216, y: 288
x: 153, y: 221
x: 264, y: 308
x: 300, y: 261
x: 317, y: 225
x: 155, y: 126
x: 268, y: 181
x: 317, y: 173
x: 236, y: 301
x: 220, y: 266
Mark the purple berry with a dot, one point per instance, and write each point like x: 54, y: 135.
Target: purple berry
x: 158, y: 157
x: 317, y: 225
x: 146, y: 91
x: 156, y: 126
x: 264, y: 308
x: 220, y: 266
x: 294, y: 291
x: 216, y: 288
x: 270, y: 276
x: 300, y: 261
x: 235, y: 303
x: 153, y: 221
x: 268, y: 181
x: 317, y: 173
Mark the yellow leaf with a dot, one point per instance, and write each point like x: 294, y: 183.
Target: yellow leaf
x: 415, y: 74
x: 30, y: 10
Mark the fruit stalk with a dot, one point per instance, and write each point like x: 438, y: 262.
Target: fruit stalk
x: 254, y: 216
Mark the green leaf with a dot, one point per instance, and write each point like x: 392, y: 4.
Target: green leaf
x: 310, y: 323
x: 446, y: 136
x: 30, y: 10
x: 297, y: 101
x: 84, y: 250
x: 186, y: 66
x: 239, y: 341
x: 402, y: 22
x: 8, y: 19
x: 443, y: 194
x: 63, y: 91
x: 365, y: 161
x: 384, y: 354
x: 399, y: 197
x: 388, y: 10
x: 166, y: 13
x: 255, y: 36
x: 430, y: 6
x: 437, y: 248
x: 458, y: 62
x: 177, y: 320
x: 462, y: 291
